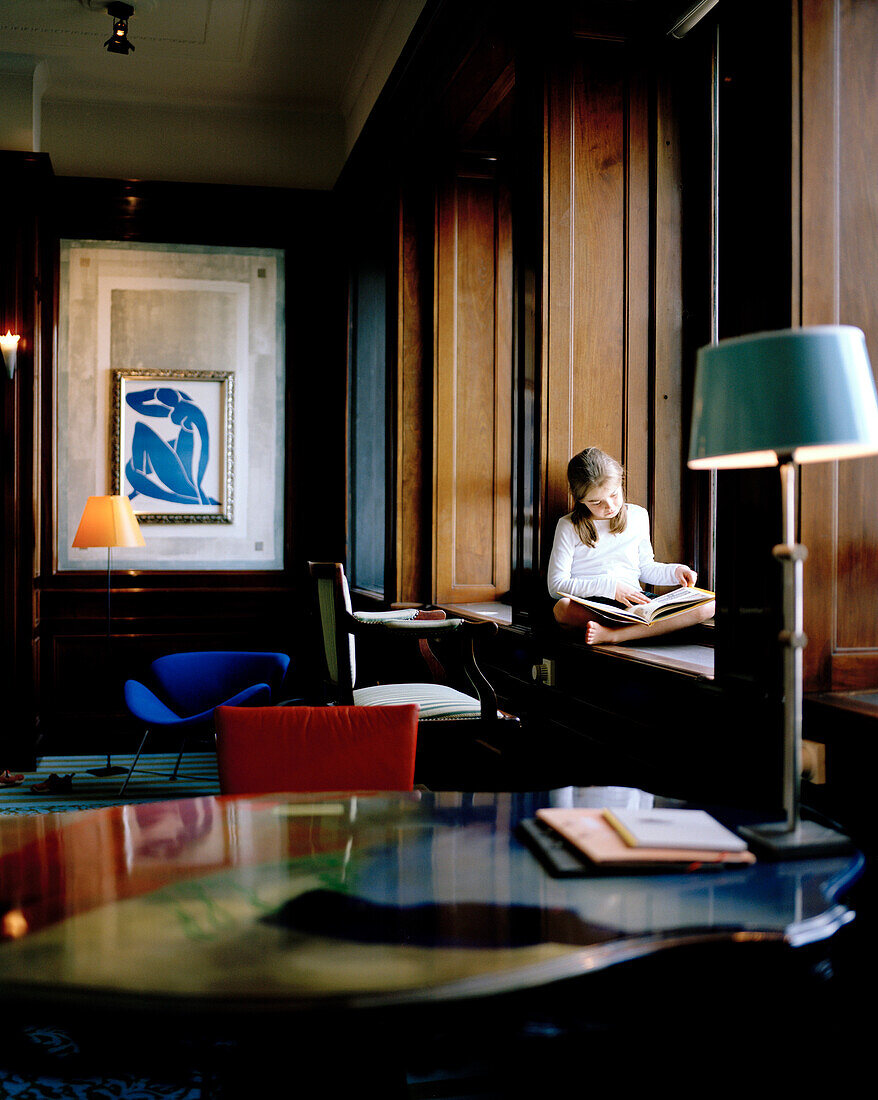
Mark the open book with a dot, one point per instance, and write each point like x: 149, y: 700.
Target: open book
x: 660, y: 607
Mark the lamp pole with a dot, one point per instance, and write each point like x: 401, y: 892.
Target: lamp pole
x: 791, y: 554
x: 109, y: 768
x: 108, y: 521
x: 792, y: 836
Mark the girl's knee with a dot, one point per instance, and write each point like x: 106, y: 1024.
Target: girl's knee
x: 569, y: 613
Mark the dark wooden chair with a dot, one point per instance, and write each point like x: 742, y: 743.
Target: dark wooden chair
x: 464, y: 739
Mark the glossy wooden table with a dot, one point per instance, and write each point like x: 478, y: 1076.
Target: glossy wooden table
x: 299, y: 902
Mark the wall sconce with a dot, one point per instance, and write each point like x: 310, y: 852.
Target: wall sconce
x: 9, y: 347
x: 118, y: 40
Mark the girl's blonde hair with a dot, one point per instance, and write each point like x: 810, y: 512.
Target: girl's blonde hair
x: 589, y: 470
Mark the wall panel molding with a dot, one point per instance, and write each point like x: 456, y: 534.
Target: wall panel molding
x: 836, y: 270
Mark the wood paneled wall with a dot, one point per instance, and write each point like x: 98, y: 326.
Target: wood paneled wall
x: 413, y: 393
x: 611, y: 298
x: 835, y: 274
x: 472, y: 407
x: 546, y: 313
x: 25, y: 308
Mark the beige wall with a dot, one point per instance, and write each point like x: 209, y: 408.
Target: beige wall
x: 195, y: 144
x: 118, y: 132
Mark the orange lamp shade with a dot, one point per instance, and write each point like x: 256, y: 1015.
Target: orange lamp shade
x: 108, y: 521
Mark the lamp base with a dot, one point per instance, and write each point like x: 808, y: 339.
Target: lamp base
x: 808, y: 840
x: 108, y: 769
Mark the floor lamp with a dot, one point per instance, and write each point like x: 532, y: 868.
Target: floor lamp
x: 110, y: 522
x: 783, y: 398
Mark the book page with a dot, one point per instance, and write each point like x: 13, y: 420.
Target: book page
x: 683, y: 598
x: 678, y: 595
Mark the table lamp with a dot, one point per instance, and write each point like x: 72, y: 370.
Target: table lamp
x: 108, y: 521
x: 783, y: 398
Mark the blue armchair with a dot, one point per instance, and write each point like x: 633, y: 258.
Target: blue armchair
x: 190, y: 686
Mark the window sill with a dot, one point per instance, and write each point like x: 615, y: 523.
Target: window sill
x: 500, y: 613
x: 863, y: 702
x: 694, y: 657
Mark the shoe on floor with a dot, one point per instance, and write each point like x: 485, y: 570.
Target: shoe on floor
x: 55, y: 784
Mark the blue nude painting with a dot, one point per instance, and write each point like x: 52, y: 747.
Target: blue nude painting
x: 173, y: 442
x: 169, y: 468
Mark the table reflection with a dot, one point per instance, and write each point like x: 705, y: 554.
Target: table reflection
x: 288, y: 899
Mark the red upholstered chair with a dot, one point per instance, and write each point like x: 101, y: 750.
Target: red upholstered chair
x: 263, y: 750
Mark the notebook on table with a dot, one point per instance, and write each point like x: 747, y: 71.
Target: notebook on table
x: 578, y: 841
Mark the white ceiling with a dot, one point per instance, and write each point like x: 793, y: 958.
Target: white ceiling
x: 329, y: 56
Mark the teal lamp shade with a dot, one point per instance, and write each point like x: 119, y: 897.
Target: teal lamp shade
x: 806, y: 394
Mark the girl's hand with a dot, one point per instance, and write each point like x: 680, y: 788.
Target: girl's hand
x: 686, y: 576
x: 627, y: 594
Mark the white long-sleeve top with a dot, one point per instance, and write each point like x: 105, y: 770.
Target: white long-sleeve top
x: 582, y: 570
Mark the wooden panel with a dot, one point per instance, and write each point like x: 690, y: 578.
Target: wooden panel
x: 818, y: 304
x: 25, y: 308
x: 637, y: 305
x: 596, y: 285
x: 838, y: 258
x: 368, y: 424
x: 856, y: 557
x: 413, y: 448
x: 671, y: 436
x: 84, y: 669
x: 598, y: 268
x: 473, y: 390
x: 558, y: 375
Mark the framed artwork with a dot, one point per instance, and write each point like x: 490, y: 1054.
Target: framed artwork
x: 173, y: 444
x: 172, y: 391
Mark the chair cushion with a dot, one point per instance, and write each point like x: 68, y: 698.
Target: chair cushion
x: 406, y: 615
x: 191, y: 683
x: 146, y: 706
x: 261, y: 750
x: 435, y: 701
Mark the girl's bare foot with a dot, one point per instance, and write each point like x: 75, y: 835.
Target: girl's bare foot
x: 598, y: 634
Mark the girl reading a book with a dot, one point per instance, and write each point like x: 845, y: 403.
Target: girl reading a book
x: 602, y: 550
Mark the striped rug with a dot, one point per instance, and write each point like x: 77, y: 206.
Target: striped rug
x: 150, y: 783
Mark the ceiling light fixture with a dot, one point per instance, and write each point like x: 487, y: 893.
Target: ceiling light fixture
x: 118, y: 40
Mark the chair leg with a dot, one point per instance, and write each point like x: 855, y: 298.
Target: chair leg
x: 134, y: 764
x: 173, y: 774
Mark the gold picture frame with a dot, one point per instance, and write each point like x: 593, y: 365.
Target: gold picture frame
x: 172, y: 444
